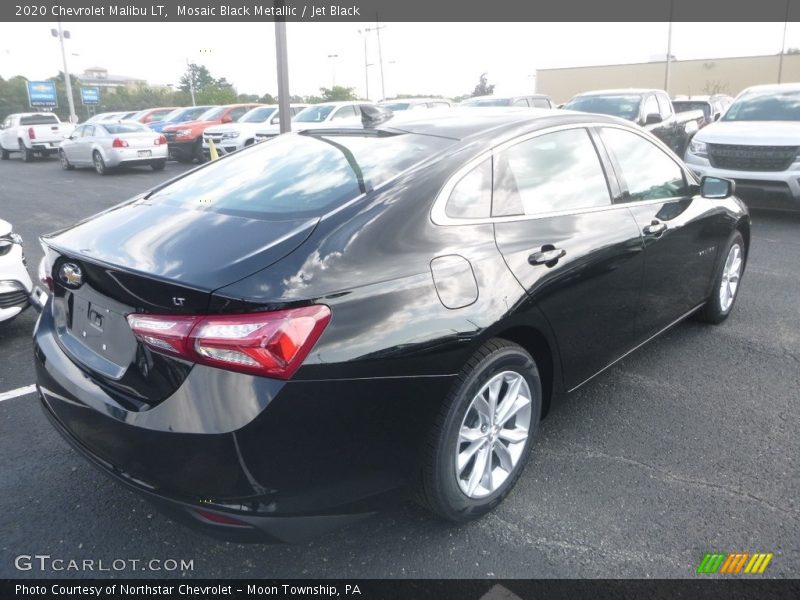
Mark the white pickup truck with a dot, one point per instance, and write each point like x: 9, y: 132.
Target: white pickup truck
x: 32, y: 133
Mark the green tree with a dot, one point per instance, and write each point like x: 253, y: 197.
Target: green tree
x: 484, y: 88
x: 337, y: 93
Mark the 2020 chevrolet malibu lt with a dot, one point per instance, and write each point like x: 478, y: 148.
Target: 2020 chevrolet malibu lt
x: 292, y: 336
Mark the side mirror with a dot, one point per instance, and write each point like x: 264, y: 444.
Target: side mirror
x: 716, y: 188
x: 227, y: 119
x: 274, y: 120
x: 67, y: 136
x: 717, y: 116
x: 652, y: 119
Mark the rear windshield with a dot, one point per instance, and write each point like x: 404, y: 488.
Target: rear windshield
x: 626, y: 107
x: 684, y: 105
x: 115, y: 128
x: 395, y: 106
x: 38, y: 120
x: 298, y: 176
x: 212, y: 114
x: 186, y: 114
x: 765, y: 106
x: 313, y: 114
x: 487, y: 102
x: 258, y: 114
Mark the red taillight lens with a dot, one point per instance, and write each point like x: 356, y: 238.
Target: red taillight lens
x: 31, y: 133
x: 118, y: 143
x: 270, y: 344
x: 160, y: 140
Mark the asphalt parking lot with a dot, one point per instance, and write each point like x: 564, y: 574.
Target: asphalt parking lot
x: 688, y: 446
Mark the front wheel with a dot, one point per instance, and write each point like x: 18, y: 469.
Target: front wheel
x: 4, y: 154
x: 65, y: 164
x: 726, y: 282
x: 481, y: 438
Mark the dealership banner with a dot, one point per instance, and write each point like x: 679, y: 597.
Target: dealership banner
x: 407, y: 10
x: 90, y: 96
x: 405, y: 589
x: 42, y: 94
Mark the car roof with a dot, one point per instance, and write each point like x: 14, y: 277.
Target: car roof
x: 461, y: 122
x: 505, y: 96
x: 620, y: 92
x: 774, y: 87
x: 412, y: 100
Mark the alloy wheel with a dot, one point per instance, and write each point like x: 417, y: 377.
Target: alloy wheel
x: 493, y: 434
x: 731, y: 273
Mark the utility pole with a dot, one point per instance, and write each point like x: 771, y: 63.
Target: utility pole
x: 282, y: 58
x: 669, y: 49
x: 783, y: 43
x: 377, y: 30
x: 61, y: 34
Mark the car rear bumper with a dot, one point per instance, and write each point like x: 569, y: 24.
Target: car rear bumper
x: 15, y: 284
x: 130, y: 156
x: 286, y: 460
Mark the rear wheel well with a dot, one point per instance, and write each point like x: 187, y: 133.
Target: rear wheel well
x: 536, y: 345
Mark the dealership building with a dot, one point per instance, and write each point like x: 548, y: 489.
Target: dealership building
x: 687, y: 77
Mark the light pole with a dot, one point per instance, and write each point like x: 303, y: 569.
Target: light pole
x: 377, y: 30
x: 62, y: 35
x: 367, y: 64
x: 667, y: 70
x: 783, y: 43
x: 282, y: 59
x: 333, y: 58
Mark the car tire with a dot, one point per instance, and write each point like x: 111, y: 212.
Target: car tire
x: 158, y: 165
x: 455, y: 484
x: 65, y: 164
x: 4, y: 154
x: 27, y: 155
x: 727, y: 279
x: 99, y: 163
x: 197, y: 151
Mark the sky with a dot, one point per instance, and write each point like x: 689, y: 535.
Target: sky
x: 418, y: 58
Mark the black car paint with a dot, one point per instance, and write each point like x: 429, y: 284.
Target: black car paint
x: 343, y: 436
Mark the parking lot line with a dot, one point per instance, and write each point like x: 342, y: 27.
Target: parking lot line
x: 23, y: 391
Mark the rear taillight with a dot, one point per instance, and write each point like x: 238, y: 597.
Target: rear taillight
x: 118, y: 143
x: 270, y: 344
x: 31, y: 133
x: 160, y: 140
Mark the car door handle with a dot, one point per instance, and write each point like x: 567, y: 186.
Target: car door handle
x: 546, y: 256
x: 655, y: 228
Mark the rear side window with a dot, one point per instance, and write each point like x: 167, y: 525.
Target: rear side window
x: 541, y: 103
x: 39, y: 120
x: 298, y: 175
x: 552, y: 172
x: 648, y: 171
x: 520, y: 102
x: 471, y: 197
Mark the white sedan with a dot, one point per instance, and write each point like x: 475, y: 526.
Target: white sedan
x: 15, y: 283
x: 108, y: 145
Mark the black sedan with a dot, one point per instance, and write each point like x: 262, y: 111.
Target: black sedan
x: 291, y: 337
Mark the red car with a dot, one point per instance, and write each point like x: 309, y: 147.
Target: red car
x: 185, y: 140
x: 151, y: 115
